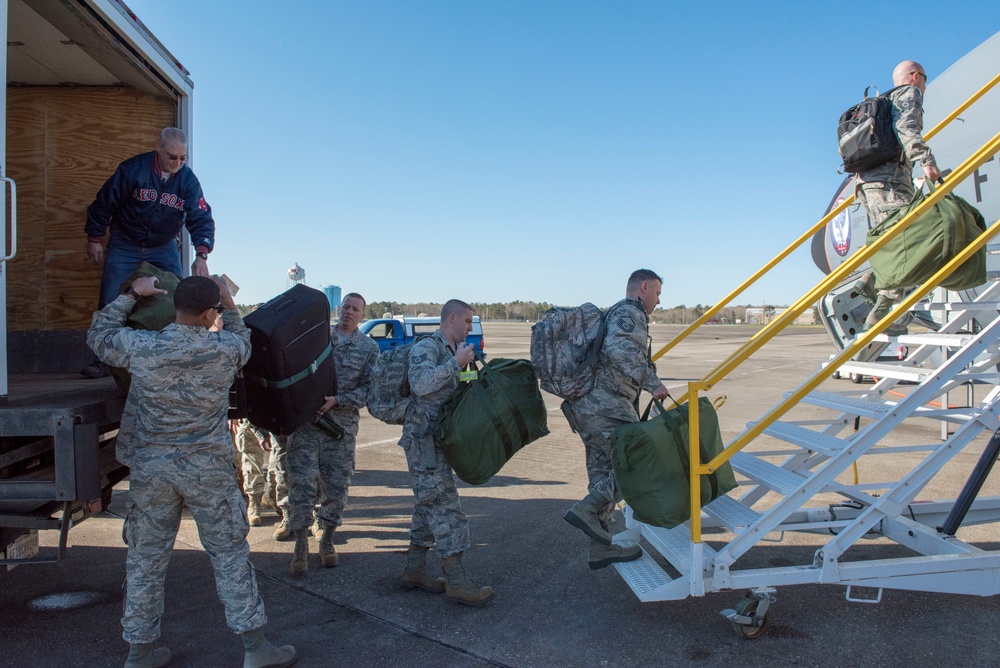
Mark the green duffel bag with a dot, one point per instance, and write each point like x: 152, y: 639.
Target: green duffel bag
x: 928, y: 243
x: 488, y: 419
x: 652, y: 463
x: 150, y: 314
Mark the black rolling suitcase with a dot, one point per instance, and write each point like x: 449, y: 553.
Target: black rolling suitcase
x: 291, y: 368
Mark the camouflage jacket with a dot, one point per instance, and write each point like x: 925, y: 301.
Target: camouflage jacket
x: 433, y: 377
x: 176, y: 409
x: 354, y: 356
x: 908, y: 122
x: 624, y: 369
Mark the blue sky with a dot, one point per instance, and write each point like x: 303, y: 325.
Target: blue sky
x: 493, y: 151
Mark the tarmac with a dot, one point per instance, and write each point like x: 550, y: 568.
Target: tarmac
x: 550, y: 609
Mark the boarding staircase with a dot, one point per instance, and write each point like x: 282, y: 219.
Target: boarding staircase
x: 823, y: 433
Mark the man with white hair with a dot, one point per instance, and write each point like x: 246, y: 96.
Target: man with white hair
x: 144, y: 205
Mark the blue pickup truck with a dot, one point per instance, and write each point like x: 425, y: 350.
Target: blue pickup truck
x: 390, y: 333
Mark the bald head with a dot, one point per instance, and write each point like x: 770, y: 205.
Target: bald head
x: 909, y: 72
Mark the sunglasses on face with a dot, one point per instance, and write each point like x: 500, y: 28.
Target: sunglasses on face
x: 218, y: 308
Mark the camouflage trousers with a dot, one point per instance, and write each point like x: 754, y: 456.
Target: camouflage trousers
x: 882, y: 198
x: 277, y: 472
x: 595, y: 432
x: 438, y: 519
x: 152, y: 519
x: 320, y: 469
x: 253, y: 461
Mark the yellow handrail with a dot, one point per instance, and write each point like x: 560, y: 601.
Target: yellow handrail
x: 853, y: 262
x: 985, y: 153
x: 698, y: 469
x: 728, y: 299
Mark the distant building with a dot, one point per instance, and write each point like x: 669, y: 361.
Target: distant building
x: 332, y: 293
x: 755, y: 316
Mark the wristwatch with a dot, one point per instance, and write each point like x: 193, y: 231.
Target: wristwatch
x: 203, y: 256
x: 132, y: 293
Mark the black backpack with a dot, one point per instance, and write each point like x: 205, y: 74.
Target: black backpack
x: 866, y: 136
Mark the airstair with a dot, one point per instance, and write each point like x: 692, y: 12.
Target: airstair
x: 799, y: 486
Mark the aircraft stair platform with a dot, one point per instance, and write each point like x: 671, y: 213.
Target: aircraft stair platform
x: 799, y: 484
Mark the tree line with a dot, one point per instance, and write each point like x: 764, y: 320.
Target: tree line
x: 520, y: 311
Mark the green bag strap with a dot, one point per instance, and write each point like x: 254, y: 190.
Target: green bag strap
x: 515, y: 412
x: 508, y: 444
x: 713, y: 479
x: 291, y: 380
x: 678, y: 440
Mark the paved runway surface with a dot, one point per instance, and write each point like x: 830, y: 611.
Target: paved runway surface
x: 549, y: 609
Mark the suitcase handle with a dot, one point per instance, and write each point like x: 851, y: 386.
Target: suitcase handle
x: 285, y: 304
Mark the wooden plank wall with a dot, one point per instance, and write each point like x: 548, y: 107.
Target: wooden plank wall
x: 62, y: 145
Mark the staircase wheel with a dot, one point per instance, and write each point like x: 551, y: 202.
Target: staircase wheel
x: 748, y: 608
x: 856, y: 378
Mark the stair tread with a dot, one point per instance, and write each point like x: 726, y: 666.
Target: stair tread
x: 766, y: 473
x: 805, y: 438
x: 643, y: 575
x: 882, y: 370
x: 846, y: 404
x: 733, y: 514
x: 957, y: 306
x: 674, y: 544
x: 935, y: 339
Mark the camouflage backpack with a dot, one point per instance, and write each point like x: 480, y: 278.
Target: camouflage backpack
x: 389, y: 394
x: 565, y: 348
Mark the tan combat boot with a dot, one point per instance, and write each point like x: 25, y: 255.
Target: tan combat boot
x: 415, y: 575
x: 253, y: 510
x: 260, y: 653
x: 585, y: 515
x: 300, y: 560
x: 600, y: 555
x: 142, y: 655
x: 283, y: 532
x: 327, y: 554
x: 458, y: 587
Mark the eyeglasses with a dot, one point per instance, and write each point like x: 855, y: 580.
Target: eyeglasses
x: 219, y: 308
x: 921, y: 74
x: 173, y: 157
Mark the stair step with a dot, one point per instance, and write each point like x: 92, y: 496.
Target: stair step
x: 805, y: 438
x: 935, y: 339
x: 734, y: 515
x: 674, y: 544
x: 957, y: 306
x: 643, y: 575
x: 846, y: 404
x: 879, y: 370
x: 764, y: 472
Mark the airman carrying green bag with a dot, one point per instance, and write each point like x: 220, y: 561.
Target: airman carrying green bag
x: 652, y: 463
x: 491, y: 417
x: 928, y: 243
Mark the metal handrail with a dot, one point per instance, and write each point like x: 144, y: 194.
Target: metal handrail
x: 728, y: 299
x: 13, y: 220
x: 697, y: 468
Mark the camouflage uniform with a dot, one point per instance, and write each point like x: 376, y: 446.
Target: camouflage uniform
x: 313, y: 454
x: 175, y: 438
x: 624, y: 370
x: 277, y: 473
x: 253, y: 457
x: 437, y: 511
x: 890, y: 186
